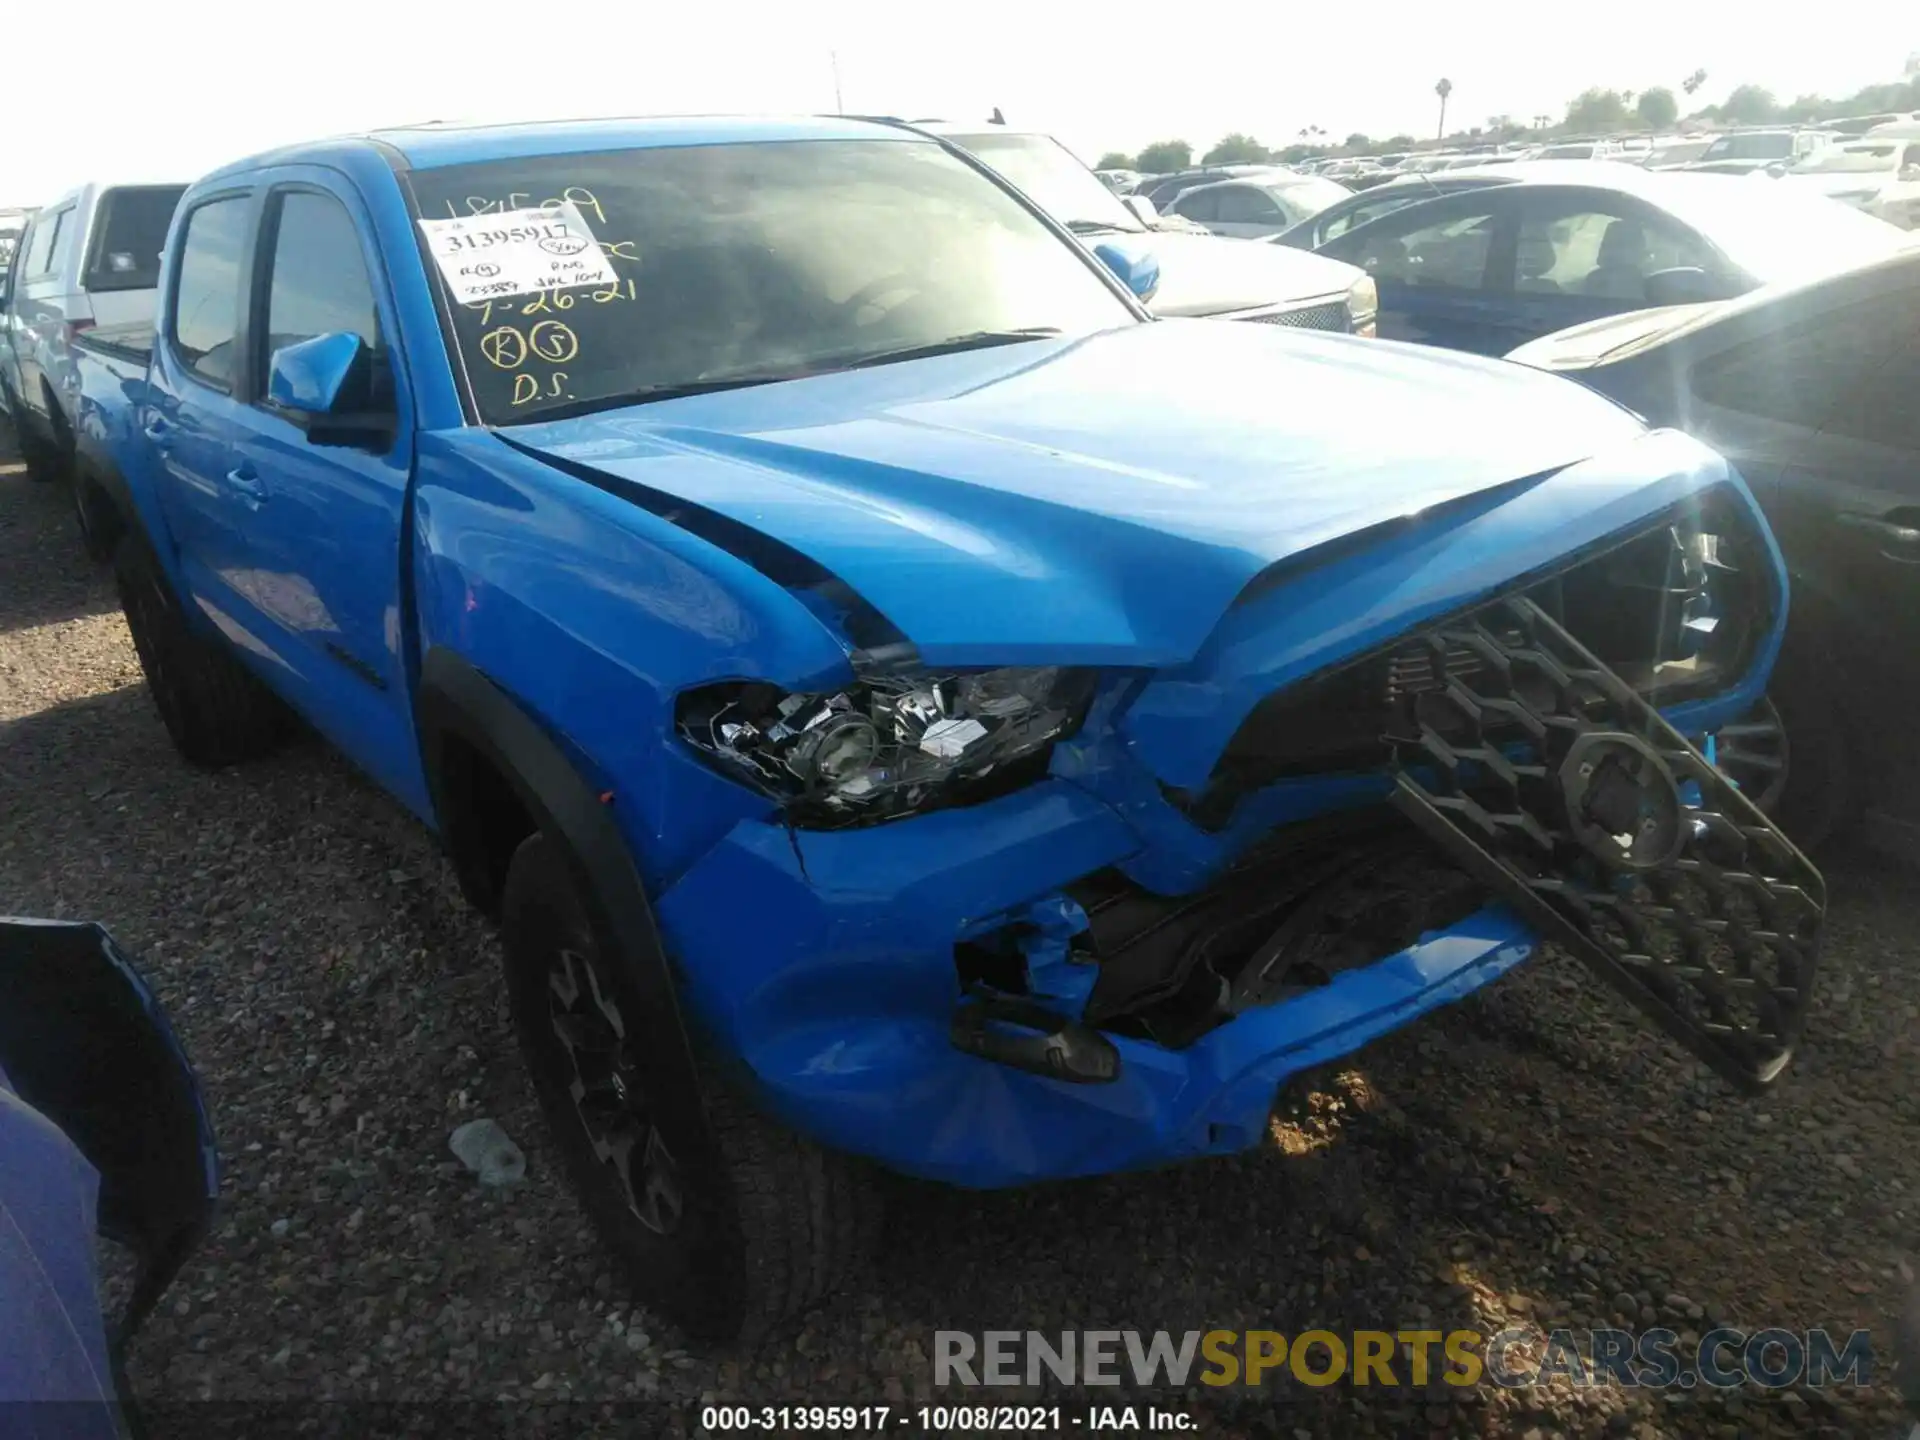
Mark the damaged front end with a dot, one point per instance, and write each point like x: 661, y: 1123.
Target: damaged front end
x: 1018, y: 924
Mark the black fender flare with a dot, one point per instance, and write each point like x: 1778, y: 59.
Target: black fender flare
x: 454, y: 699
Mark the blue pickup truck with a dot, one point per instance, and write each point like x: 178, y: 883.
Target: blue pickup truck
x: 905, y: 706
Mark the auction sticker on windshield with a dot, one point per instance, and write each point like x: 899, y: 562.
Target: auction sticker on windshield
x: 516, y: 252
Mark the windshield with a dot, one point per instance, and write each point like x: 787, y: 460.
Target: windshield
x: 1848, y: 159
x: 1778, y: 232
x: 740, y: 263
x: 1751, y: 147
x: 1049, y: 175
x: 1567, y: 152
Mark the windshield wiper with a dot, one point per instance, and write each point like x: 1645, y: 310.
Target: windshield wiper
x: 953, y: 345
x: 648, y: 393
x: 1095, y: 227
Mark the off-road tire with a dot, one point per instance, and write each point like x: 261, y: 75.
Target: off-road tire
x: 771, y: 1223
x: 216, y: 712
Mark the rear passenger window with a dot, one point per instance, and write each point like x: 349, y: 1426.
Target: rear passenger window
x: 129, y: 234
x: 1201, y: 206
x: 319, y: 282
x: 206, y: 303
x: 1449, y: 254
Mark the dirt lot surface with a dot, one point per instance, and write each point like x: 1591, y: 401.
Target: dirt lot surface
x: 1534, y: 1156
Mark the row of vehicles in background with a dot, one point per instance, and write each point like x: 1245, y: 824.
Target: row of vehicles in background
x: 1774, y: 151
x: 774, y: 626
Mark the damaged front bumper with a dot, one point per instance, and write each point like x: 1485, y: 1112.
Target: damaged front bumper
x: 836, y: 986
x: 1117, y: 966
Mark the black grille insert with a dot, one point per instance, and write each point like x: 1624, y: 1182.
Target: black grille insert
x: 1547, y: 777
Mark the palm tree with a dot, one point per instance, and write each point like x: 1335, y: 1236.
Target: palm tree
x: 1694, y: 81
x: 1443, y: 90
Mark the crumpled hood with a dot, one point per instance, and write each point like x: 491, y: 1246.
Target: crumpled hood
x: 1098, y: 500
x: 1216, y: 275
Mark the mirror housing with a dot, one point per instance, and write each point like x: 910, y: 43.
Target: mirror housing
x: 1143, y: 209
x: 1777, y: 169
x: 326, y: 387
x: 1137, y: 269
x: 1683, y: 285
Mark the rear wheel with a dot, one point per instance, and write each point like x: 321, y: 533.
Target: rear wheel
x: 215, y: 710
x: 725, y: 1221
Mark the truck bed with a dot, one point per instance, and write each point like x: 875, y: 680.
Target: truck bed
x: 131, y: 343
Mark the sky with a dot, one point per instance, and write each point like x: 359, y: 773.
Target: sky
x: 163, y: 89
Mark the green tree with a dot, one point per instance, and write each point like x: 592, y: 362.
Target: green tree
x: 1657, y: 107
x: 1115, y: 160
x: 1163, y: 157
x: 1237, y: 149
x: 1356, y: 141
x: 1750, y: 105
x: 1596, y: 110
x: 1398, y: 142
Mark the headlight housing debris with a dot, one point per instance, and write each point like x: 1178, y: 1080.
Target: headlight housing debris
x: 889, y: 746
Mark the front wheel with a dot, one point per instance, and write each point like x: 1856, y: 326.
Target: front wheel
x: 726, y: 1222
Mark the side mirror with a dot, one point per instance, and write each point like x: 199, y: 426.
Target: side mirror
x: 1682, y: 285
x: 1137, y: 269
x: 1777, y: 169
x: 326, y: 387
x: 1142, y: 207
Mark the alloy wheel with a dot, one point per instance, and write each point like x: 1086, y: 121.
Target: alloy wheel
x: 607, y: 1092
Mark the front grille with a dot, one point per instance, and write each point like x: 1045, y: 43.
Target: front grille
x: 1621, y: 602
x: 1413, y: 670
x: 1329, y: 316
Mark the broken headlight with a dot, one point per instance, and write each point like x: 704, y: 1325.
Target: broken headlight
x: 887, y: 746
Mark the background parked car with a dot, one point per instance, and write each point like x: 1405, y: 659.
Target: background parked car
x: 1201, y: 275
x: 1811, y: 391
x: 92, y: 256
x: 1669, y: 153
x: 1879, y: 176
x: 1258, y: 206
x: 1583, y: 150
x: 1745, y: 151
x: 1491, y: 268
x: 1163, y: 189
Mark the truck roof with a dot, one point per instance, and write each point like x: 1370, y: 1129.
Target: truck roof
x: 433, y: 145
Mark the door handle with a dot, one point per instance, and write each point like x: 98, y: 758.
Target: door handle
x: 1897, y: 541
x: 246, y: 480
x: 157, y: 428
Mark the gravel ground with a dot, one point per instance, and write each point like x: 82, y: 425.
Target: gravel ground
x: 1532, y: 1156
